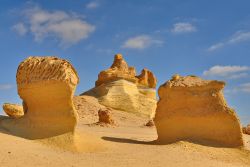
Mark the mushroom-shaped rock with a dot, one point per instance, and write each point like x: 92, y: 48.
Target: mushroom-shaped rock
x: 46, y: 85
x: 13, y: 110
x: 191, y: 108
x: 119, y: 88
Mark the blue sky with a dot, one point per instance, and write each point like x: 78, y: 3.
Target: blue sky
x: 210, y: 39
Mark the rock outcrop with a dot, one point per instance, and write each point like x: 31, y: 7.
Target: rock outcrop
x: 246, y: 130
x: 191, y: 108
x: 120, y: 70
x: 46, y: 85
x: 118, y: 87
x: 105, y: 117
x: 13, y: 110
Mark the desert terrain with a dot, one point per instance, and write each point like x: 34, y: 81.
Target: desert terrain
x: 129, y: 143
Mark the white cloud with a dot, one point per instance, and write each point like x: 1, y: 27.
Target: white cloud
x: 20, y: 28
x: 5, y: 86
x: 239, y: 36
x: 237, y: 76
x: 68, y: 28
x: 245, y: 87
x: 216, y: 46
x: 141, y: 42
x: 183, y: 27
x: 92, y: 5
x: 230, y: 72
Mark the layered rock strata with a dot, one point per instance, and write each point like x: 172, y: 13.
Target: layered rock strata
x: 118, y: 87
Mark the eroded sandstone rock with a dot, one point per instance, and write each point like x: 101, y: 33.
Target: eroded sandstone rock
x: 246, y: 130
x: 120, y: 70
x: 46, y: 85
x: 105, y: 117
x: 191, y: 108
x: 13, y: 110
x: 147, y: 78
x: 118, y: 87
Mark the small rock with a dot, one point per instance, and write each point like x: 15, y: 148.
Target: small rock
x: 105, y: 116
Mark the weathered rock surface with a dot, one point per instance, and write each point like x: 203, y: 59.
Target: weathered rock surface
x: 118, y: 87
x: 246, y: 130
x: 46, y: 85
x: 150, y: 123
x: 13, y: 110
x: 120, y: 70
x: 105, y: 117
x: 194, y: 109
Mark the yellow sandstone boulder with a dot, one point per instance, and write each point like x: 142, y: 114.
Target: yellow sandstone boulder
x: 46, y: 85
x: 118, y: 87
x: 191, y: 108
x: 13, y: 110
x: 246, y: 130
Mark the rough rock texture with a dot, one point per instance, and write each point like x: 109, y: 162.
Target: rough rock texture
x: 13, y: 110
x: 87, y: 108
x: 194, y: 109
x: 46, y: 85
x: 147, y: 79
x: 105, y: 117
x: 120, y: 70
x: 126, y: 96
x: 118, y: 87
x: 150, y: 123
x: 246, y: 130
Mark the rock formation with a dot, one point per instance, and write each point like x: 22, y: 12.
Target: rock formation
x: 118, y: 87
x: 13, y: 110
x: 105, y: 117
x: 194, y: 109
x: 246, y: 130
x: 46, y: 85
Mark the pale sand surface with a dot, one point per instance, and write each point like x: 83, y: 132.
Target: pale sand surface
x: 128, y: 144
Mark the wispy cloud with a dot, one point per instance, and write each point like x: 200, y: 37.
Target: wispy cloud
x: 183, y: 27
x: 68, y: 28
x: 239, y: 36
x: 93, y: 5
x: 141, y: 42
x: 245, y: 87
x: 20, y: 28
x: 5, y: 86
x: 229, y: 72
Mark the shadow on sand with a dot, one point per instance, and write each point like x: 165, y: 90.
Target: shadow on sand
x: 156, y: 142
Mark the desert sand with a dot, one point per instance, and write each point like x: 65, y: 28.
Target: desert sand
x: 128, y: 144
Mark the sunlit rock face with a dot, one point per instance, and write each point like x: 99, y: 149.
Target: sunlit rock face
x: 191, y: 108
x: 246, y: 130
x: 46, y: 85
x: 13, y: 110
x: 118, y: 87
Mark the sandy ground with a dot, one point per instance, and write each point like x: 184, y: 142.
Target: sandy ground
x: 127, y: 144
